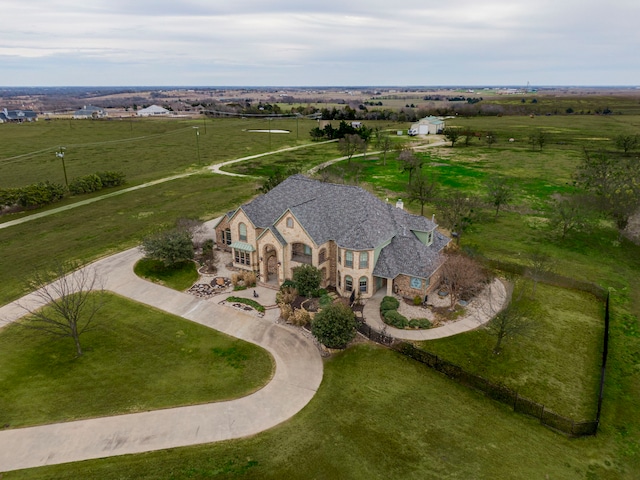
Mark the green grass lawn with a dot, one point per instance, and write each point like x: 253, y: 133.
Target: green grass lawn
x: 379, y: 415
x: 111, y: 225
x: 557, y: 364
x: 136, y: 359
x: 179, y: 277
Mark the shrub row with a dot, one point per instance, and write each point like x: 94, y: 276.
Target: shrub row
x: 246, y: 301
x: 44, y: 193
x: 391, y: 316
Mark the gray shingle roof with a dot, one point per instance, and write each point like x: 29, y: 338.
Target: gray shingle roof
x: 353, y: 218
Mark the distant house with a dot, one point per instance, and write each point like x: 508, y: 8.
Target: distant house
x: 359, y: 243
x: 428, y: 125
x: 89, y: 111
x: 153, y: 111
x: 18, y: 116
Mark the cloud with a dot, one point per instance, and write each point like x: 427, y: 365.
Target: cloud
x: 326, y: 43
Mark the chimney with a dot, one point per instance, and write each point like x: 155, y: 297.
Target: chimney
x: 433, y: 218
x: 400, y: 204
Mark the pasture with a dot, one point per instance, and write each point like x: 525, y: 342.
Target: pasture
x: 378, y: 414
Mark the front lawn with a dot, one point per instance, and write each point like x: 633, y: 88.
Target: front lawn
x: 179, y: 277
x: 137, y: 359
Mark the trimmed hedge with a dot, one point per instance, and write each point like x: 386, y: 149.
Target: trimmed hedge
x: 389, y: 303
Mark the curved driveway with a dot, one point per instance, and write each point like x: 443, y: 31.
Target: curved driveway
x: 298, y: 374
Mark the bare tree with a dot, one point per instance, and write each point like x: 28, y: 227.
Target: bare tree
x: 462, y: 276
x: 491, y: 138
x: 538, y: 139
x: 539, y: 265
x: 67, y: 306
x: 423, y: 189
x: 516, y: 319
x: 499, y: 192
x: 457, y: 211
x: 409, y: 161
x: 350, y: 144
x: 383, y: 142
x: 570, y: 214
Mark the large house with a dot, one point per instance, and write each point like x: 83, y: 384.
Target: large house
x: 360, y: 243
x: 153, y: 111
x: 89, y: 111
x: 18, y: 116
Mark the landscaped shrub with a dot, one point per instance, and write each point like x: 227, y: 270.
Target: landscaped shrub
x: 300, y: 317
x: 417, y: 300
x: 288, y: 283
x: 395, y: 319
x: 286, y: 295
x: 111, y: 178
x: 246, y: 301
x: 389, y: 303
x: 420, y: 323
x: 85, y: 184
x: 242, y: 280
x: 334, y: 326
x: 285, y: 311
x: 324, y: 301
x: 307, y: 278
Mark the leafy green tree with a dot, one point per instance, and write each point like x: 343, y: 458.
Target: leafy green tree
x: 499, y: 192
x: 334, y: 326
x: 627, y: 143
x: 307, y: 279
x: 452, y: 134
x: 278, y: 176
x: 170, y: 246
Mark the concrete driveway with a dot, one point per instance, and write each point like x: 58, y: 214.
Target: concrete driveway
x: 298, y: 374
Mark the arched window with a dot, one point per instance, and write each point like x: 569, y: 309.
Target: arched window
x: 348, y: 283
x: 363, y: 284
x: 242, y: 232
x: 339, y: 279
x: 322, y: 256
x: 289, y: 222
x: 364, y: 259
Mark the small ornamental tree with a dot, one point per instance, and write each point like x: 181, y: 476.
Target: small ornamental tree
x: 170, y: 247
x: 334, y: 326
x: 307, y: 279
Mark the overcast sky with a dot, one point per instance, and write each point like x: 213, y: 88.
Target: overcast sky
x: 319, y: 43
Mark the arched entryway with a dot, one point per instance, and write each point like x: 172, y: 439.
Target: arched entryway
x: 270, y: 264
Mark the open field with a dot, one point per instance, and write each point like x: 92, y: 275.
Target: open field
x: 136, y: 359
x: 142, y: 149
x: 379, y: 415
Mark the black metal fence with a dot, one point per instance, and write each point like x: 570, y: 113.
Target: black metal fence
x: 500, y: 393
x: 373, y: 335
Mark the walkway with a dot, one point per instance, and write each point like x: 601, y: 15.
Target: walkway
x: 298, y: 373
x: 478, y: 312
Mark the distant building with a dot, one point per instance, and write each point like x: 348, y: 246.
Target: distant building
x: 153, y: 111
x: 89, y: 111
x: 18, y: 116
x: 428, y: 125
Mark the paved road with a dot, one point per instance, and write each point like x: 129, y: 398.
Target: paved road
x: 297, y: 376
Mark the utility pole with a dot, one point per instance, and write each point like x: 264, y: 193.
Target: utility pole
x: 198, y: 143
x: 60, y: 155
